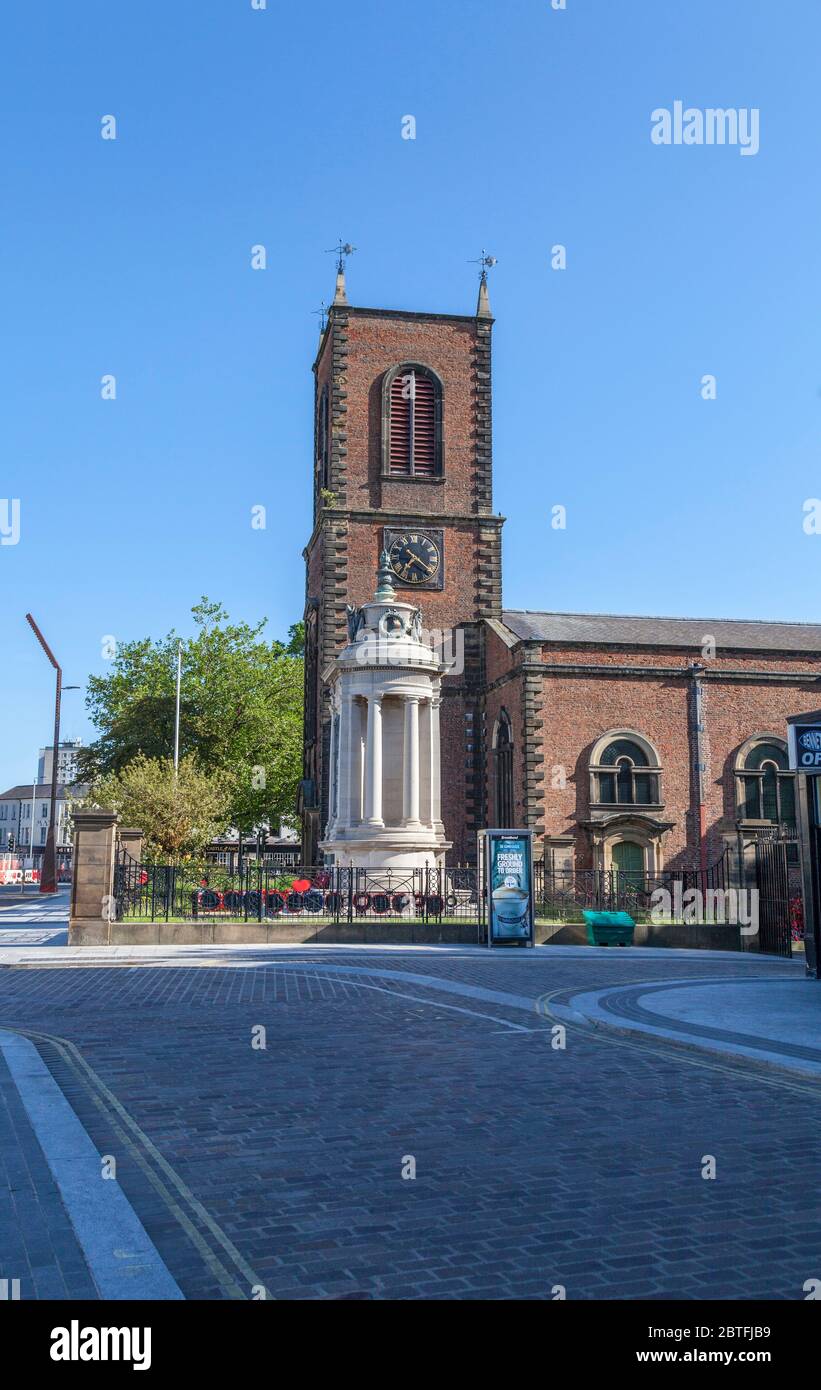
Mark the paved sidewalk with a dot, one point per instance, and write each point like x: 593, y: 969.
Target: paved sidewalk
x: 272, y: 952
x: 777, y: 1022
x: 27, y: 919
x: 40, y: 1255
x: 282, y: 1166
x: 66, y: 1228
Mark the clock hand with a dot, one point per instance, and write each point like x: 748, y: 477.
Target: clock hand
x: 420, y: 562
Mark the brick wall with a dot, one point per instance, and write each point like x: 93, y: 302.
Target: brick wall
x: 578, y: 707
x: 358, y: 348
x: 733, y: 713
x: 377, y: 342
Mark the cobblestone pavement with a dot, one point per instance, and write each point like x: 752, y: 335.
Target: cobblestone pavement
x: 536, y: 1166
x: 26, y: 919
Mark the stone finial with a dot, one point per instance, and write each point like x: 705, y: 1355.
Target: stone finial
x: 340, y: 294
x: 483, y: 306
x: 342, y: 250
x: 385, y: 591
x: 485, y: 263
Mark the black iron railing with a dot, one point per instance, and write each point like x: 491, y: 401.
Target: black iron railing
x: 448, y: 897
x: 562, y: 894
x: 167, y: 892
x: 155, y: 892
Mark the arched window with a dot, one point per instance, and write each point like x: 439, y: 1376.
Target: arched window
x: 503, y: 773
x: 411, y: 422
x: 311, y: 670
x: 323, y: 440
x: 625, y: 771
x: 766, y: 786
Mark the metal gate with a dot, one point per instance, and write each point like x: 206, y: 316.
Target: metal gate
x: 779, y: 895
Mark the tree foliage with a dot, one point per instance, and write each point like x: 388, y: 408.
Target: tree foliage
x: 240, y: 712
x: 177, y: 815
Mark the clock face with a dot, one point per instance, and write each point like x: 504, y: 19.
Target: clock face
x: 415, y: 558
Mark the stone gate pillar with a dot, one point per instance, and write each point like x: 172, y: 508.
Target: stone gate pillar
x: 92, y: 888
x: 131, y: 840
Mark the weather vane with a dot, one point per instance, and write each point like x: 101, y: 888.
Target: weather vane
x: 486, y: 262
x: 323, y: 315
x: 341, y: 250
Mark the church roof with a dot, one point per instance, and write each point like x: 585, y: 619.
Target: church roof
x: 603, y: 629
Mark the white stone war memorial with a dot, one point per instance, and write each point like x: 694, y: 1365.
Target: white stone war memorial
x: 385, y: 772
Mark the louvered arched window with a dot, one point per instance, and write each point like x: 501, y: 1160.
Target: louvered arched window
x: 412, y: 423
x: 503, y: 765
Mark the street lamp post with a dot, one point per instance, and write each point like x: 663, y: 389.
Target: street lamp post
x: 177, y: 711
x: 48, y: 873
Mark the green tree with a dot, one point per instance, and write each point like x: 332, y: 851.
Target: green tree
x: 240, y: 711
x: 179, y: 814
x: 296, y: 639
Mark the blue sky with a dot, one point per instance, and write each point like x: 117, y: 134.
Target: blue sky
x: 283, y: 127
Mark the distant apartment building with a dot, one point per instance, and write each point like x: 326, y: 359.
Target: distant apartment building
x: 24, y: 821
x: 67, y: 754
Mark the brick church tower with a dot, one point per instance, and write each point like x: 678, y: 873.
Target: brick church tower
x: 403, y: 461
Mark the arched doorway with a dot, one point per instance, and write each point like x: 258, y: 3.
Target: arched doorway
x: 627, y: 857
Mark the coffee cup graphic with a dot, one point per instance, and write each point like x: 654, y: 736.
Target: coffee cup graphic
x: 510, y: 905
